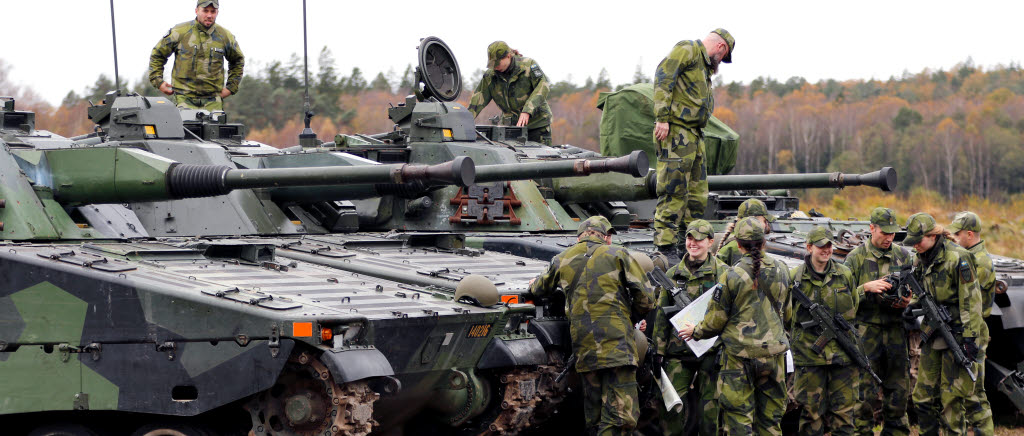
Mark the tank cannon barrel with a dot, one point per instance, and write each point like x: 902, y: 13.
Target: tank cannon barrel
x: 122, y: 175
x: 635, y: 165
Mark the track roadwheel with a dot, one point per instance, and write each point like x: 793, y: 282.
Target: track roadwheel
x: 306, y: 401
x: 62, y: 430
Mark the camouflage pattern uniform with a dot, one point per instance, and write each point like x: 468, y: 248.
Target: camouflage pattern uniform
x: 884, y: 339
x: 945, y: 271
x: 198, y: 72
x: 683, y: 99
x: 681, y: 366
x: 522, y: 88
x: 612, y: 292
x: 730, y: 251
x: 750, y: 320
x: 979, y: 411
x: 827, y: 383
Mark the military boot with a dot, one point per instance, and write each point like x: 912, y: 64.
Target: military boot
x: 670, y: 252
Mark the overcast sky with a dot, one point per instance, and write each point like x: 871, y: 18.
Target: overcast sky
x: 55, y: 46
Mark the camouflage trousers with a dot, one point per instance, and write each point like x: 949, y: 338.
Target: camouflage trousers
x: 702, y: 377
x: 540, y: 134
x: 827, y: 394
x: 213, y: 103
x: 682, y: 184
x: 610, y: 400
x: 942, y: 387
x: 887, y: 350
x: 752, y: 394
x: 977, y: 407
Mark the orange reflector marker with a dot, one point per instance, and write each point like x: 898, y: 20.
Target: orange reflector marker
x: 326, y: 334
x: 510, y: 299
x: 302, y: 329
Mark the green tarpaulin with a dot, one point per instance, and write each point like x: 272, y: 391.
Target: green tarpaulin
x: 627, y: 124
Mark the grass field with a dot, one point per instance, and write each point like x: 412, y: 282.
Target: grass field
x: 1002, y: 221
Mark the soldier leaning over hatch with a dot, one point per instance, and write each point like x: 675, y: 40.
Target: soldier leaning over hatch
x: 966, y: 230
x: 200, y: 47
x: 519, y: 88
x: 730, y: 252
x: 606, y: 292
x: 682, y: 105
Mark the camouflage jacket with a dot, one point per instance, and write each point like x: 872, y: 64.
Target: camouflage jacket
x: 199, y: 55
x: 950, y: 277
x: 682, y: 86
x: 523, y: 87
x: 837, y: 292
x: 612, y: 294
x: 730, y: 253
x: 695, y: 283
x: 868, y: 263
x: 986, y: 276
x: 744, y: 317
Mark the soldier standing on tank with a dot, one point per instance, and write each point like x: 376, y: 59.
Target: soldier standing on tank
x: 966, y: 230
x: 606, y: 293
x: 880, y: 326
x: 827, y: 380
x: 682, y: 105
x: 749, y: 313
x: 697, y: 272
x: 200, y: 47
x: 730, y: 252
x: 946, y: 271
x: 519, y: 88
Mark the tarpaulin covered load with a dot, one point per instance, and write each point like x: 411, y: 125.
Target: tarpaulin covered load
x: 627, y: 124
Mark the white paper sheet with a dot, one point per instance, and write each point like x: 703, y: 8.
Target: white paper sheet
x: 693, y: 313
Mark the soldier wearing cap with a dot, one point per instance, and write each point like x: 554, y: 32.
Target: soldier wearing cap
x: 200, y: 48
x: 966, y: 230
x: 682, y: 105
x: 730, y: 253
x: 749, y: 313
x: 697, y: 272
x: 519, y: 88
x: 880, y: 327
x: 606, y: 293
x: 946, y: 271
x: 827, y: 380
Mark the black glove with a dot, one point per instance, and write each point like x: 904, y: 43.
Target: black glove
x: 971, y: 349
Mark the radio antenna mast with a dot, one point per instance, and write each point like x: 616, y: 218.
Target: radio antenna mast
x: 113, y: 33
x: 307, y: 138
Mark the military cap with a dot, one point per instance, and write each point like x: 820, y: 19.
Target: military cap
x: 918, y: 226
x: 749, y: 229
x: 754, y: 207
x: 885, y: 219
x: 495, y: 52
x: 596, y: 223
x: 966, y: 221
x: 729, y: 40
x: 819, y: 236
x: 205, y: 3
x: 700, y: 230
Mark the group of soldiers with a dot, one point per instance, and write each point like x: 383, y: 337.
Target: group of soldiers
x: 765, y: 331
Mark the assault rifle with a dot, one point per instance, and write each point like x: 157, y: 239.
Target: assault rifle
x: 936, y: 319
x: 679, y: 296
x: 833, y: 327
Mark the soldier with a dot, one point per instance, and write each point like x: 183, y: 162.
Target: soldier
x: 750, y: 311
x: 696, y: 273
x: 966, y: 230
x: 946, y: 272
x: 827, y: 379
x: 682, y: 105
x: 880, y: 325
x: 200, y: 47
x: 519, y: 88
x: 606, y: 292
x: 730, y: 252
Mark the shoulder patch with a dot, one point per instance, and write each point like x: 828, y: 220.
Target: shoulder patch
x: 966, y: 275
x: 535, y: 70
x: 717, y: 296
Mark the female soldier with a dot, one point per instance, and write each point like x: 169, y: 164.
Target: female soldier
x: 695, y: 274
x: 826, y: 378
x: 749, y: 312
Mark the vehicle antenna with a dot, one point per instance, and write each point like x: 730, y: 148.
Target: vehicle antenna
x: 113, y: 33
x: 307, y: 138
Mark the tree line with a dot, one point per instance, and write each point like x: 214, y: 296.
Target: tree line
x: 957, y: 132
